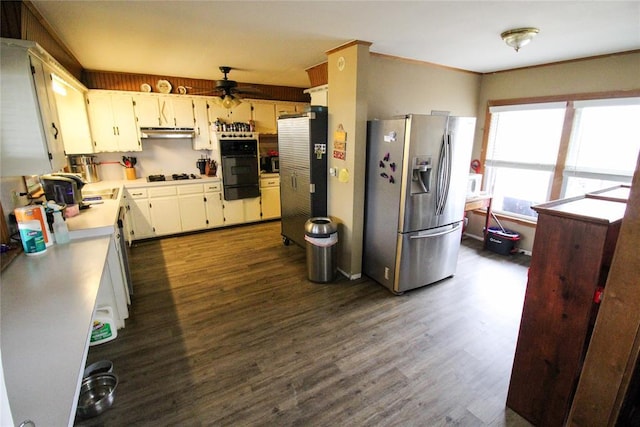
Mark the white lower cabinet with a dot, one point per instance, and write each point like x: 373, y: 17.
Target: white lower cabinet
x: 213, y: 205
x: 241, y: 211
x: 172, y: 209
x: 270, y: 197
x: 165, y: 210
x: 139, y: 214
x: 193, y: 214
x: 113, y: 289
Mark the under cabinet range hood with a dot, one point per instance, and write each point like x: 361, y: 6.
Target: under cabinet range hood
x: 153, y: 132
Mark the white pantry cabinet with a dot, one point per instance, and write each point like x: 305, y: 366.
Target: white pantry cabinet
x: 113, y: 122
x: 30, y: 138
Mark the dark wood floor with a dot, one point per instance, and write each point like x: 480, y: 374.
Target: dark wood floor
x: 225, y: 329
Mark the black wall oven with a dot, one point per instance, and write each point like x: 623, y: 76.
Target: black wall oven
x: 240, y: 168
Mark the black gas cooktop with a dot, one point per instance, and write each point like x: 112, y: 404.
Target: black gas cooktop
x: 174, y: 177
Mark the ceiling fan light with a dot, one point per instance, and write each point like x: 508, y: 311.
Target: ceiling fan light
x: 227, y: 101
x: 519, y: 37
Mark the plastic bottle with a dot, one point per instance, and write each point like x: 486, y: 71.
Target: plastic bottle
x: 60, y: 229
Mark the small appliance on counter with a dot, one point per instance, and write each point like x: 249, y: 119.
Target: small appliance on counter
x: 63, y: 188
x: 86, y: 166
x: 270, y: 164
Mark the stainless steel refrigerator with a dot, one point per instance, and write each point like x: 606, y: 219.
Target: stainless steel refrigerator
x: 417, y: 169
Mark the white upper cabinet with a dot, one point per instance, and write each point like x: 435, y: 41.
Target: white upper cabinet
x: 72, y: 113
x: 30, y: 138
x: 147, y: 110
x: 264, y: 117
x: 113, y: 122
x: 176, y: 111
x: 202, y: 138
x: 168, y: 111
x: 240, y: 113
x: 290, y: 108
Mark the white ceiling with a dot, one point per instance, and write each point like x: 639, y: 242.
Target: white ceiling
x: 273, y: 42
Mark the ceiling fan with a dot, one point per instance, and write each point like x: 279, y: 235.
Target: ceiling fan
x: 228, y: 91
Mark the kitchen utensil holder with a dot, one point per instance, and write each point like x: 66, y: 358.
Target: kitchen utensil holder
x: 130, y: 173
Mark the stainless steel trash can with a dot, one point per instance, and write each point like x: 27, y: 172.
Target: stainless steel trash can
x: 321, y: 235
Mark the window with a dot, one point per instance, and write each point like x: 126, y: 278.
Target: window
x: 525, y: 143
x: 604, y: 146
x: 521, y: 155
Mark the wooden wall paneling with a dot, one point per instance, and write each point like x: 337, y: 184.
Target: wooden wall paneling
x: 614, y: 350
x: 36, y: 29
x: 131, y: 82
x: 318, y: 74
x: 10, y: 24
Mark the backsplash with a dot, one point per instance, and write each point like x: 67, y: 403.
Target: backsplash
x: 158, y: 156
x: 165, y: 157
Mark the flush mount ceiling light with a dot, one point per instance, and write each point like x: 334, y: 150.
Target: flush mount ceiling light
x: 519, y: 37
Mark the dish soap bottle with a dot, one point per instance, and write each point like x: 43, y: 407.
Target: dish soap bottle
x: 60, y: 229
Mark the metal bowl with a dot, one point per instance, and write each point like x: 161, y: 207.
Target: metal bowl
x: 96, y: 394
x: 99, y: 367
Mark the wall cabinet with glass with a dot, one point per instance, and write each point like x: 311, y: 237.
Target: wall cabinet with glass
x: 30, y: 141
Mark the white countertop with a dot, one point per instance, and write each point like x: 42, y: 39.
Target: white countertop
x: 47, y: 305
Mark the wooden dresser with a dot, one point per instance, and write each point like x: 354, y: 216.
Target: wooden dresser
x: 573, y: 248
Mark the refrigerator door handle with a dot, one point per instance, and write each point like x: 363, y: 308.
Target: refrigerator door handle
x: 441, y: 233
x: 444, y: 174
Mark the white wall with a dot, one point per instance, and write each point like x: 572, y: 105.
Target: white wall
x: 399, y: 86
x: 377, y: 86
x: 158, y: 156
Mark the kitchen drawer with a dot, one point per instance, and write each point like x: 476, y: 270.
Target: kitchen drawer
x: 212, y: 188
x: 190, y: 189
x: 137, y: 193
x: 162, y: 191
x: 269, y: 182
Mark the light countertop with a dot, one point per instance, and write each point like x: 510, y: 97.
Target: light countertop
x: 47, y: 305
x: 46, y: 311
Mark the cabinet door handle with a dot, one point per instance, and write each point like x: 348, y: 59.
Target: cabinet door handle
x: 114, y: 130
x: 55, y: 134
